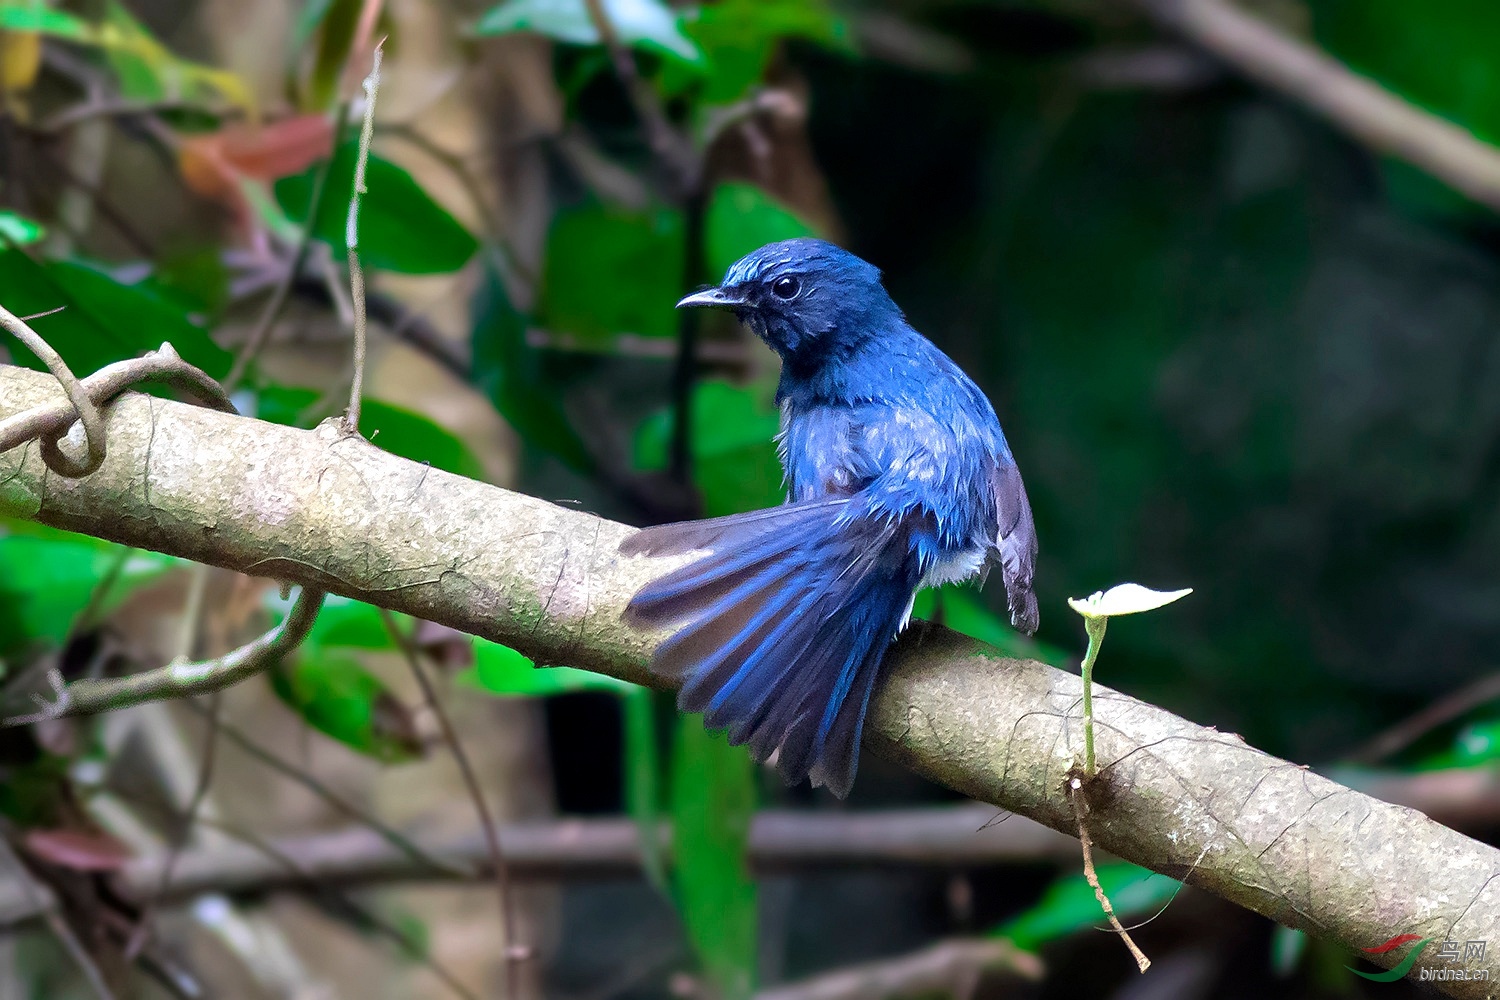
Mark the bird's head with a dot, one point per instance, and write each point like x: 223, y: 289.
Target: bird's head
x: 806, y: 298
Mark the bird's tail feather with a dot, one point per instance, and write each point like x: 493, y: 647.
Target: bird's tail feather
x: 784, y: 627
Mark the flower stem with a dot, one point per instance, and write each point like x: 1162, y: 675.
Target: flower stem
x: 1095, y: 627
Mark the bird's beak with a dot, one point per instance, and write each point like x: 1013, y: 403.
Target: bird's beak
x: 719, y: 298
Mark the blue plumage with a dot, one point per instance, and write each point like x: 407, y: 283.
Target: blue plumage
x: 898, y: 477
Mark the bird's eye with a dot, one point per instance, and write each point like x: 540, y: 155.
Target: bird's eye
x: 786, y: 288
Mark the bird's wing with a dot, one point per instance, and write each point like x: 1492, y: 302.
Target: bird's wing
x: 1016, y: 545
x: 783, y: 627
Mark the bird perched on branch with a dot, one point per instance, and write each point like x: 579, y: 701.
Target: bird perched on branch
x: 898, y: 477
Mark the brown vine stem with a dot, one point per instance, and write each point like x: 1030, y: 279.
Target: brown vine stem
x: 1075, y: 794
x: 83, y: 407
x: 185, y: 679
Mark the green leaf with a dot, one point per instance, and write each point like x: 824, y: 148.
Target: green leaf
x: 735, y: 466
x: 713, y: 800
x: 643, y: 780
x: 401, y: 228
x: 1069, y: 904
x: 17, y: 230
x: 740, y: 218
x: 508, y: 371
x: 501, y: 670
x: 391, y: 428
x: 739, y: 37
x: 103, y: 321
x: 338, y: 697
x: 649, y: 25
x: 611, y: 270
x: 48, y: 577
x: 197, y: 282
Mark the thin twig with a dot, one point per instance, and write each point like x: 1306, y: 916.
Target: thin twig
x: 514, y: 952
x: 948, y: 968
x: 1323, y: 85
x: 1441, y: 712
x: 86, y: 619
x: 45, y: 902
x: 183, y: 680
x: 184, y: 829
x: 683, y: 165
x: 405, y: 845
x: 1075, y: 794
x: 309, y: 880
x: 118, y: 107
x: 193, y: 613
x: 83, y: 407
x: 494, y: 231
x: 685, y: 368
x: 255, y: 341
x: 351, y: 242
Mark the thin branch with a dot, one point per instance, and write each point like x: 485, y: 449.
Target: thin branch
x: 494, y: 231
x: 1359, y: 106
x: 194, y: 610
x: 120, y: 107
x: 351, y: 242
x: 1441, y: 712
x: 782, y: 841
x: 288, y: 865
x: 184, y: 680
x: 425, y: 860
x: 260, y: 334
x: 683, y: 165
x: 948, y: 968
x: 514, y: 951
x: 44, y: 903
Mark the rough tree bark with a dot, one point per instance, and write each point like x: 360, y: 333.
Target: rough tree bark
x: 335, y: 512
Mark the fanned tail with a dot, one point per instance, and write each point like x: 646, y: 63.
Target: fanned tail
x: 784, y: 626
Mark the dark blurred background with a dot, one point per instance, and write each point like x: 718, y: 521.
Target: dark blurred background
x: 1233, y: 349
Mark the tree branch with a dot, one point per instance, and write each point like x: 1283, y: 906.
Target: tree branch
x: 334, y: 512
x: 1358, y: 105
x: 948, y: 968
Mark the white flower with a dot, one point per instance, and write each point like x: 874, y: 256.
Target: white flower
x: 1125, y: 599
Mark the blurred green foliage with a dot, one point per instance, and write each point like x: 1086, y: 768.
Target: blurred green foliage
x: 595, y: 239
x: 49, y: 577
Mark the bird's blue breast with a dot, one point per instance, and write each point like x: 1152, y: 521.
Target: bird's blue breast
x: 916, y: 437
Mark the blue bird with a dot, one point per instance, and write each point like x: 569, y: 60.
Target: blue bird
x: 898, y: 477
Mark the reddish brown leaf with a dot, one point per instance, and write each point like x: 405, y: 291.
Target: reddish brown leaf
x: 280, y: 149
x: 80, y: 850
x: 214, y: 163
